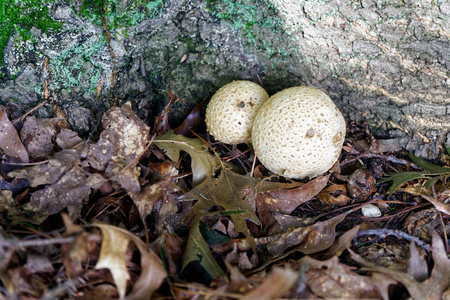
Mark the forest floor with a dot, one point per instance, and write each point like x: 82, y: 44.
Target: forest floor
x: 162, y: 213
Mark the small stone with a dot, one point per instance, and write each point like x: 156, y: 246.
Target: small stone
x: 371, y: 211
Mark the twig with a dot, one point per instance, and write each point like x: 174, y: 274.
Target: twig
x: 390, y: 158
x: 382, y: 233
x: 18, y: 120
x: 36, y: 243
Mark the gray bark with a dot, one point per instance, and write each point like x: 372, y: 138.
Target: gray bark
x: 385, y: 63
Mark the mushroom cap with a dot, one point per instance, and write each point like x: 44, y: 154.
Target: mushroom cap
x: 230, y: 113
x: 298, y: 133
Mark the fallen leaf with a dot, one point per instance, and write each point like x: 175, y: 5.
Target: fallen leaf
x: 146, y: 198
x: 48, y: 172
x: 286, y: 200
x: 203, y: 164
x: 37, y: 135
x: 123, y: 139
x: 197, y: 249
x: 67, y: 139
x: 417, y: 265
x: 277, y: 283
x: 228, y: 192
x: 191, y: 121
x: 69, y: 192
x: 309, y: 239
x: 342, y: 243
x: 10, y: 142
x: 331, y: 279
x: 431, y: 288
x: 162, y: 121
x: 112, y: 256
x: 335, y: 194
x: 386, y: 145
x: 442, y: 207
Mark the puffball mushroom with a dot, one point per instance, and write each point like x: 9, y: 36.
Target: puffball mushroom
x: 230, y: 113
x: 298, y: 133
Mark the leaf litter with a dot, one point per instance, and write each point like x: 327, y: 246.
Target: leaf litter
x: 165, y: 213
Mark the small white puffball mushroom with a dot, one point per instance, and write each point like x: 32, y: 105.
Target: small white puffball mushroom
x: 298, y: 133
x: 230, y: 113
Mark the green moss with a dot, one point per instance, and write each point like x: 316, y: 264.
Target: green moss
x: 120, y: 13
x: 73, y: 68
x: 21, y: 16
x: 254, y: 23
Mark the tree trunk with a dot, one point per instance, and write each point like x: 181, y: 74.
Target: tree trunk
x: 384, y: 63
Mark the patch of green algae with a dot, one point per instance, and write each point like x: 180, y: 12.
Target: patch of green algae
x: 20, y: 16
x: 254, y: 19
x: 76, y: 64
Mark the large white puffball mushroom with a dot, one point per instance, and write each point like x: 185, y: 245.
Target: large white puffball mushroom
x: 298, y: 133
x: 230, y: 113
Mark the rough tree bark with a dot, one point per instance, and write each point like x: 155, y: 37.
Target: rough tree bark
x: 385, y: 63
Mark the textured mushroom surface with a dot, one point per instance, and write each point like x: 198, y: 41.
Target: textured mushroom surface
x: 230, y: 113
x: 298, y: 132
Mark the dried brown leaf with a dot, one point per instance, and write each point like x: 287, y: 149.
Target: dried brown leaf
x: 51, y: 171
x: 37, y: 135
x: 123, y: 139
x: 309, y: 239
x: 417, y: 265
x: 442, y: 207
x: 145, y: 199
x: 10, y: 142
x: 69, y: 192
x: 203, y: 164
x: 342, y: 243
x: 433, y: 287
x: 286, y: 200
x: 124, y: 136
x: 335, y: 194
x: 277, y: 283
x: 331, y: 279
x: 112, y: 256
x: 191, y: 121
x: 67, y: 139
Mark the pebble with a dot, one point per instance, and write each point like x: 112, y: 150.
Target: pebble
x: 371, y: 211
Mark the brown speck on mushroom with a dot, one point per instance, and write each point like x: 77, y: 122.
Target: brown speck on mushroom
x: 310, y: 133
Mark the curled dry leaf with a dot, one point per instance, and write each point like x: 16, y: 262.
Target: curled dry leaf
x: 145, y: 199
x: 10, y: 142
x: 112, y: 256
x: 309, y: 239
x: 335, y: 194
x: 191, y: 121
x: 203, y: 164
x: 342, y: 243
x: 286, y: 200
